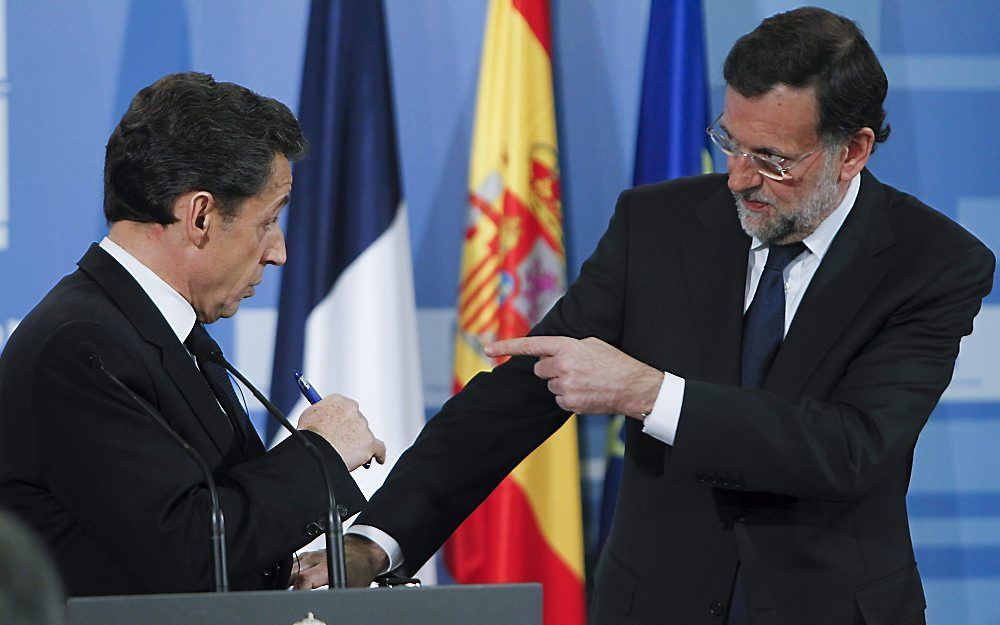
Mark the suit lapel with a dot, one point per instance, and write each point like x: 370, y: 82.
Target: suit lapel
x: 849, y: 273
x: 153, y: 328
x: 715, y: 263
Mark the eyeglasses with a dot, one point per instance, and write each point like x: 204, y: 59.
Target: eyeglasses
x: 771, y: 165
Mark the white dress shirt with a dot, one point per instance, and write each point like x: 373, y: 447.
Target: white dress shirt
x: 662, y: 421
x: 175, y: 309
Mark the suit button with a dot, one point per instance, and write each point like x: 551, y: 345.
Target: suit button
x: 342, y: 510
x: 268, y: 573
x: 314, y: 529
x: 716, y: 608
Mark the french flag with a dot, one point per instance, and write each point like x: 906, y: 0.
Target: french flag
x: 347, y: 317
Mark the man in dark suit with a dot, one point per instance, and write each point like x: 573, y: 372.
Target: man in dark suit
x: 779, y: 337
x: 196, y: 174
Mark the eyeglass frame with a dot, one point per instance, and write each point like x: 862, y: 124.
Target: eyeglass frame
x: 782, y: 171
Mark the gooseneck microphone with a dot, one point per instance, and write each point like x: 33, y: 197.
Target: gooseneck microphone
x: 218, y: 538
x: 204, y: 348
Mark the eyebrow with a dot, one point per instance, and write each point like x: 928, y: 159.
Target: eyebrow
x: 763, y: 149
x: 274, y: 212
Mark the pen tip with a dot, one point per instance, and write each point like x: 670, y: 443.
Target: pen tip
x: 296, y: 374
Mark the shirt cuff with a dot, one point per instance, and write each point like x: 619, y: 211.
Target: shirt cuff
x: 662, y: 421
x: 383, y: 540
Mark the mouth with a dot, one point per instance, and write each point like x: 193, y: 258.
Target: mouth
x: 754, y: 206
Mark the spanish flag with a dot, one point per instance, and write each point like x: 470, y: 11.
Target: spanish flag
x: 513, y: 270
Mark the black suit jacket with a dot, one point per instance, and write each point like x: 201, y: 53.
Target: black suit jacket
x: 803, y: 481
x: 122, y: 506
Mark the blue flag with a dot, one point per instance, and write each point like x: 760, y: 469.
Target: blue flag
x: 347, y: 317
x: 670, y: 143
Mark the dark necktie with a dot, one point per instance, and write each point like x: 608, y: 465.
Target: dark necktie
x: 763, y: 332
x: 764, y: 322
x: 201, y: 343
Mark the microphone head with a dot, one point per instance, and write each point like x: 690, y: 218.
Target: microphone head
x: 93, y: 355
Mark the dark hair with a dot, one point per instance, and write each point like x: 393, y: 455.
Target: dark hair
x: 187, y: 132
x: 812, y: 47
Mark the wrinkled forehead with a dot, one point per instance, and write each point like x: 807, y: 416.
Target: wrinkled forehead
x: 784, y: 116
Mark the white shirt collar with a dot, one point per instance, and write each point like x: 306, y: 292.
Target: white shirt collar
x: 822, y: 237
x: 175, y: 309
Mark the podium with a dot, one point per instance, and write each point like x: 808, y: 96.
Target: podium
x: 501, y: 604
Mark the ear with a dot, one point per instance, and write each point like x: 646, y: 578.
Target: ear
x: 859, y: 150
x: 198, y: 214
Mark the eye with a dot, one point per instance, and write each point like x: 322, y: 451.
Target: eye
x: 777, y: 159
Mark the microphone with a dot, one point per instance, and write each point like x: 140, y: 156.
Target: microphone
x: 204, y: 348
x: 218, y: 537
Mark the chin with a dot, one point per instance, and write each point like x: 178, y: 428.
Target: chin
x: 206, y: 319
x: 754, y: 225
x: 766, y: 228
x: 223, y: 312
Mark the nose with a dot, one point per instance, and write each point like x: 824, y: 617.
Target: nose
x: 274, y: 253
x: 743, y: 173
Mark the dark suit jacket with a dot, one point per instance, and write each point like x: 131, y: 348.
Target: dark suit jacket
x: 121, y: 505
x: 803, y: 482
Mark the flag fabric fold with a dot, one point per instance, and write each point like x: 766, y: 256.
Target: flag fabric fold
x: 513, y: 269
x: 670, y: 143
x: 347, y: 315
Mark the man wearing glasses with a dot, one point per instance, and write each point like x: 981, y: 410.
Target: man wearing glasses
x: 779, y: 335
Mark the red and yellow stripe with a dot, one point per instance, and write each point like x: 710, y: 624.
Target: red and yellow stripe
x: 513, y: 268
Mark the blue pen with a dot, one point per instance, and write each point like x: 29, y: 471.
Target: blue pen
x: 309, y: 392
x: 306, y: 388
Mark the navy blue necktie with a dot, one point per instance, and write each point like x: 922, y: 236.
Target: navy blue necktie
x: 218, y: 380
x: 763, y: 332
x: 764, y: 322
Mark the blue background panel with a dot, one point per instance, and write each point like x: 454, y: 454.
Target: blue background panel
x: 72, y: 66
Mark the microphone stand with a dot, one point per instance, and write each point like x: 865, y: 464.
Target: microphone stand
x: 335, y: 565
x: 218, y: 538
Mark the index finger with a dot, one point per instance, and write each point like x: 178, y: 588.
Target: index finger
x: 529, y: 346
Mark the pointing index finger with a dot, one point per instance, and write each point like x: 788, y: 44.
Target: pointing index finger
x: 529, y: 346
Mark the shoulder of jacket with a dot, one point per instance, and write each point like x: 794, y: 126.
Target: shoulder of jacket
x: 918, y: 223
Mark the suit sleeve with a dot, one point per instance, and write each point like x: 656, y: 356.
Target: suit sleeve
x: 483, y: 432
x: 840, y: 448
x: 138, y: 492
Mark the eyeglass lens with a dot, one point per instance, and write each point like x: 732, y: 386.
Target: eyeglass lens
x: 731, y: 148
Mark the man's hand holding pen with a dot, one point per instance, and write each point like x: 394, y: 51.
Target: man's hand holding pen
x: 338, y: 419
x: 312, y: 396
